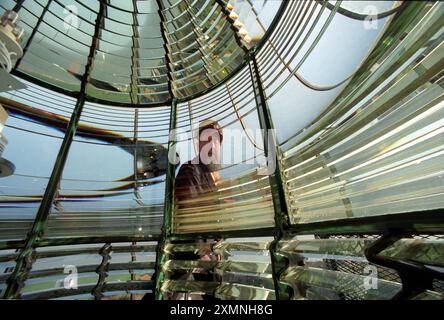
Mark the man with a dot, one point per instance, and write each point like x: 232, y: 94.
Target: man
x: 197, y: 178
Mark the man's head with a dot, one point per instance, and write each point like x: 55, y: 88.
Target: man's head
x: 210, y: 140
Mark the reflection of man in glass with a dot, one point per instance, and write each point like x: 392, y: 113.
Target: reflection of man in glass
x: 195, y: 179
x: 199, y: 176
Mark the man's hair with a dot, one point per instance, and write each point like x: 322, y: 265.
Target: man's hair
x: 211, y: 124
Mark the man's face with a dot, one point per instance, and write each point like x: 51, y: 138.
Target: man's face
x: 209, y: 146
